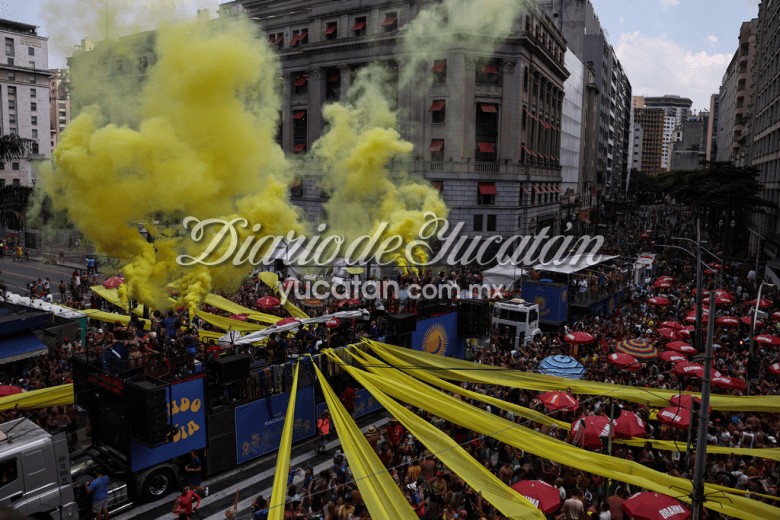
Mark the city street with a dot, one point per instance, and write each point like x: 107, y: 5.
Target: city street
x: 17, y: 275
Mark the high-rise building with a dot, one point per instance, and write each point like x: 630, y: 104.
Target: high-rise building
x: 688, y: 149
x: 727, y: 101
x: 651, y: 120
x: 765, y: 135
x: 669, y: 124
x: 59, y: 103
x: 636, y: 147
x: 24, y: 97
x: 674, y: 106
x: 712, y: 128
x: 638, y: 101
x: 571, y: 140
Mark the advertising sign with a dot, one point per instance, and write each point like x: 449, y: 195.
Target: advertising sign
x: 439, y: 336
x: 552, y: 299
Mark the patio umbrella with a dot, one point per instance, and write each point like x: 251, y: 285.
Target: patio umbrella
x: 286, y: 321
x: 644, y: 236
x: 290, y: 283
x: 638, y: 348
x: 747, y: 320
x: 658, y: 300
x: 766, y: 339
x: 556, y: 400
x: 775, y: 368
x: 332, y: 323
x: 764, y: 303
x: 714, y: 265
x: 683, y: 401
x: 562, y: 366
x: 628, y: 425
x: 672, y: 357
x: 687, y: 330
x: 776, y: 315
x: 692, y: 370
x: 675, y: 416
x: 313, y: 302
x: 239, y: 317
x: 728, y: 320
x: 579, y: 338
x: 113, y: 282
x: 691, y: 317
x: 545, y: 497
x: 671, y: 325
x: 267, y: 302
x: 709, y: 271
x: 662, y: 284
x: 654, y: 506
x: 670, y: 334
x: 621, y: 360
x: 587, y: 432
x: 729, y: 382
x: 634, y: 367
x: 681, y: 347
x: 6, y: 390
x: 666, y: 278
x: 722, y: 300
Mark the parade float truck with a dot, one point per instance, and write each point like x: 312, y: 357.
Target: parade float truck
x: 519, y: 319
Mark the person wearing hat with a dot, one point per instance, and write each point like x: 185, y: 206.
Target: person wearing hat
x: 373, y: 436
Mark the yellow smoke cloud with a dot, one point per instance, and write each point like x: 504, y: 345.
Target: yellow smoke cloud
x: 202, y: 146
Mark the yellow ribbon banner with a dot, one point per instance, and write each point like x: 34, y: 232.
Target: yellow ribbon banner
x: 279, y: 492
x: 112, y: 295
x: 272, y: 281
x: 110, y: 317
x: 44, y: 398
x: 226, y: 305
x: 229, y: 324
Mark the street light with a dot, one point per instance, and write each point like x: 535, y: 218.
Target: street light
x: 757, y: 306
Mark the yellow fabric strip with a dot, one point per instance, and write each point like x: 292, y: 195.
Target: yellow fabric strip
x: 762, y: 453
x: 279, y: 492
x: 458, y: 370
x: 380, y: 492
x: 44, y: 398
x: 206, y: 335
x: 407, y: 389
x: 272, y: 281
x: 226, y: 305
x: 110, y: 317
x: 511, y: 503
x: 112, y: 295
x: 229, y: 324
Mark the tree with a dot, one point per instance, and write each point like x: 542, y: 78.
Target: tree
x: 644, y: 186
x: 14, y: 147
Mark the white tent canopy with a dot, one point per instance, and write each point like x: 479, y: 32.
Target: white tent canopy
x: 503, y: 275
x: 262, y: 334
x: 574, y: 264
x: 44, y: 306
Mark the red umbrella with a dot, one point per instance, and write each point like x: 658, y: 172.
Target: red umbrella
x: 722, y: 300
x: 670, y: 334
x: 587, y: 432
x: 687, y: 330
x: 766, y: 339
x: 776, y: 315
x: 628, y: 425
x: 545, y: 497
x: 681, y: 347
x: 654, y: 506
x: 267, y: 302
x: 691, y: 317
x: 556, y: 400
x: 286, y: 321
x: 747, y: 320
x: 729, y: 382
x: 762, y: 304
x: 671, y: 325
x: 662, y: 284
x: 675, y: 416
x: 6, y: 390
x: 635, y: 367
x: 644, y: 236
x: 658, y: 300
x: 709, y: 271
x: 714, y: 265
x: 705, y: 308
x: 692, y: 370
x: 775, y: 369
x: 579, y: 338
x: 332, y: 323
x: 621, y: 360
x: 289, y: 283
x: 239, y: 317
x: 113, y: 282
x: 727, y: 320
x: 349, y: 301
x: 684, y: 401
x: 666, y: 278
x: 672, y: 357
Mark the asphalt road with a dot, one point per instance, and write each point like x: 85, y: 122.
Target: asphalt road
x: 17, y: 275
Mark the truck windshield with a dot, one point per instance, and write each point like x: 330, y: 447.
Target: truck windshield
x: 510, y: 315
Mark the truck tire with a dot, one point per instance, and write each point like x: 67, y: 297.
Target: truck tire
x: 41, y: 516
x: 157, y: 484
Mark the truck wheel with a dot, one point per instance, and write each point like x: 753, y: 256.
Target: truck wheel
x: 41, y: 516
x: 158, y: 484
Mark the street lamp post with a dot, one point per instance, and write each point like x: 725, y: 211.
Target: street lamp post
x: 756, y: 307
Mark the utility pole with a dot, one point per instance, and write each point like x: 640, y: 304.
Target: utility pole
x: 700, y: 468
x: 758, y: 245
x: 753, y: 328
x: 698, y: 287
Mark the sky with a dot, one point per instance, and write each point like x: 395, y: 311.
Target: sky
x: 679, y: 47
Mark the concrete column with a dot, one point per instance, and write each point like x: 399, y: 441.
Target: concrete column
x: 346, y: 81
x: 287, y: 133
x: 469, y: 114
x: 509, y: 112
x: 316, y: 98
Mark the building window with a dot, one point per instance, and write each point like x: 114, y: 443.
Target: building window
x: 299, y: 36
x: 437, y: 150
x: 10, y: 62
x: 32, y: 64
x: 2, y: 183
x: 35, y: 133
x: 478, y: 223
x: 12, y: 130
x: 279, y: 41
x: 33, y: 107
x: 11, y: 105
x: 2, y: 166
x: 359, y: 29
x: 437, y: 110
x: 35, y: 147
x: 296, y: 189
x: 11, y: 76
x: 487, y: 73
x: 62, y: 122
x: 525, y: 113
x: 9, y: 46
x: 62, y: 113
x: 391, y: 22
x: 491, y: 223
x: 301, y: 85
x: 33, y: 93
x: 34, y: 120
x: 332, y: 31
x: 62, y: 105
x: 15, y: 166
x: 299, y: 124
x: 486, y: 193
x: 439, y: 71
x: 16, y: 182
x: 31, y: 51
x: 12, y: 118
x: 32, y: 79
x: 333, y: 86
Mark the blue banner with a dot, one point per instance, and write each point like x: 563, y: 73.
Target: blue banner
x: 364, y: 404
x: 259, y: 424
x: 596, y: 308
x: 439, y: 336
x: 552, y: 299
x: 187, y: 411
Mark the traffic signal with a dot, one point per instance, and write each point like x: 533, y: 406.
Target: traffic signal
x: 753, y: 367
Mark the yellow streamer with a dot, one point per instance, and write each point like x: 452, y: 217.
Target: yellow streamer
x: 226, y: 305
x: 762, y: 453
x: 228, y: 323
x: 112, y: 295
x: 110, y: 317
x: 380, y: 492
x: 44, y: 398
x: 272, y: 281
x: 276, y: 510
x: 511, y: 503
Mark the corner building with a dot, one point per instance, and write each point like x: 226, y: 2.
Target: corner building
x: 486, y: 128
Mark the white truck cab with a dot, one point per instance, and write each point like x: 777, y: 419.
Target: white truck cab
x: 519, y: 318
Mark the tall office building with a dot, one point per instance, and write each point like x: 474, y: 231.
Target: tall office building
x: 669, y: 124
x: 24, y: 97
x: 674, y: 106
x: 651, y: 120
x: 712, y: 128
x: 636, y: 147
x: 59, y: 103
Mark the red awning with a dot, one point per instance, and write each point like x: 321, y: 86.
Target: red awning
x: 299, y: 114
x: 439, y: 185
x: 334, y: 77
x: 299, y: 147
x: 389, y: 21
x: 436, y: 146
x: 525, y: 190
x: 439, y: 66
x: 557, y: 188
x: 279, y: 39
x: 359, y: 26
x: 303, y: 35
x: 271, y: 39
x: 330, y: 29
x: 301, y: 80
x: 294, y: 40
x: 547, y: 126
x: 296, y: 184
x: 436, y: 106
x: 536, y: 188
x: 487, y: 188
x: 486, y: 147
x: 529, y: 151
x: 489, y: 69
x: 488, y: 108
x: 544, y: 189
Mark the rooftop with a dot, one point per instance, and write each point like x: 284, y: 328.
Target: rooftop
x: 18, y: 27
